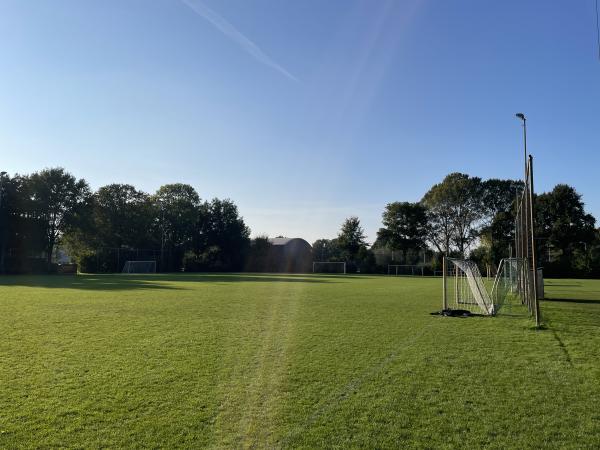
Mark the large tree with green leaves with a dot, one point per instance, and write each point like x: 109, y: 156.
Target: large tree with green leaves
x: 178, y: 213
x: 455, y: 210
x: 123, y: 217
x: 562, y: 222
x: 326, y: 250
x: 498, y: 196
x: 56, y: 197
x: 404, y: 226
x: 351, y: 237
x: 223, y: 236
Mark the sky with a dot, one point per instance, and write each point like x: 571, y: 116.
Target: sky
x: 302, y: 112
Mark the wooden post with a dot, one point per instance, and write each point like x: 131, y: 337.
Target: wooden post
x: 445, y: 303
x: 536, y: 303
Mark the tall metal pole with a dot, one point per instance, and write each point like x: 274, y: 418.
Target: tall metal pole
x: 526, y: 195
x: 524, y: 208
x: 517, y: 223
x: 525, y: 143
x: 536, y: 303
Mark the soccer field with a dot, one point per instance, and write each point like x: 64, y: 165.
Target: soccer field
x: 307, y: 361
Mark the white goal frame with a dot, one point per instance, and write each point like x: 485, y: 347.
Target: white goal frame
x: 130, y: 266
x: 467, y: 287
x: 343, y: 263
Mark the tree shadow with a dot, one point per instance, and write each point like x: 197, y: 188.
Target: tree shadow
x: 573, y: 300
x: 85, y: 282
x: 175, y: 281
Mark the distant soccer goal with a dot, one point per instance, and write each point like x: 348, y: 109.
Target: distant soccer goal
x: 464, y: 288
x: 406, y: 269
x: 329, y: 267
x: 139, y: 267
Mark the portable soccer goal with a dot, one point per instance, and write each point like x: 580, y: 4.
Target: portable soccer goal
x: 329, y: 267
x: 464, y: 288
x: 139, y: 267
x: 405, y: 269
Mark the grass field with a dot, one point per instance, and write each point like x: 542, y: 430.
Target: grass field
x: 290, y: 361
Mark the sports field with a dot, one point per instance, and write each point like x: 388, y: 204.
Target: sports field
x: 232, y: 361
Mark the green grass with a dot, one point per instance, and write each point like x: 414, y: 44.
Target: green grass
x: 233, y: 361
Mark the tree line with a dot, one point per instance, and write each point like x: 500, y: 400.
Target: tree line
x: 51, y: 209
x: 465, y: 216
x: 461, y: 216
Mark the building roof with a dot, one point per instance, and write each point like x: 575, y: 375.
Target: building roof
x: 285, y: 241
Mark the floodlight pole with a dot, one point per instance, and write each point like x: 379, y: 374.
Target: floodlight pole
x: 522, y: 117
x: 524, y: 203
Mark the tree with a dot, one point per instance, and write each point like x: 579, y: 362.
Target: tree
x: 594, y: 255
x: 56, y: 197
x: 499, y: 236
x: 365, y: 260
x: 498, y: 196
x: 6, y: 214
x: 22, y: 231
x: 178, y: 213
x: 123, y: 217
x: 258, y: 255
x: 561, y: 220
x: 327, y: 250
x: 404, y: 226
x: 223, y: 236
x: 454, y: 211
x: 497, y: 233
x: 351, y: 237
x: 561, y: 223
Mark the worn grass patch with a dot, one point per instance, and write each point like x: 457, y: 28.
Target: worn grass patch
x: 290, y: 361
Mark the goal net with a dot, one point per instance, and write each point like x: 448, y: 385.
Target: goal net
x: 139, y: 267
x: 405, y: 269
x: 329, y: 267
x: 464, y: 288
x: 513, y: 283
x: 508, y: 281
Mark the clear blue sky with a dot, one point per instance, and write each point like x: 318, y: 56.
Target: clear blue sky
x: 303, y: 112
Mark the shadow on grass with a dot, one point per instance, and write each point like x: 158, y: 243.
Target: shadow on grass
x: 150, y: 281
x: 573, y: 300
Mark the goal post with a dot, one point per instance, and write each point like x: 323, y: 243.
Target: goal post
x: 329, y: 267
x: 464, y: 288
x: 139, y: 267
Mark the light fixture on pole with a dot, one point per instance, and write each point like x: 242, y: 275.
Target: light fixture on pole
x: 522, y: 117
